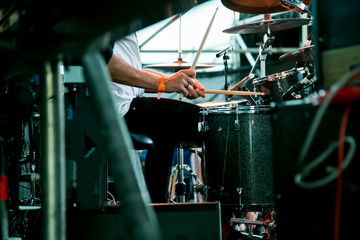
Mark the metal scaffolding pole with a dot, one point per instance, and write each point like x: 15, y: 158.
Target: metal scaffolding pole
x: 160, y: 29
x: 53, y: 153
x: 247, y: 50
x: 141, y: 219
x: 243, y: 46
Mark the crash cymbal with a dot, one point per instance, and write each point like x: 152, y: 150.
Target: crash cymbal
x: 305, y: 54
x: 257, y: 6
x: 273, y: 24
x: 176, y: 66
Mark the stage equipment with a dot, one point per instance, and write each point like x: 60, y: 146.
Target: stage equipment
x: 86, y: 182
x: 267, y: 25
x: 238, y: 156
x: 275, y: 85
x: 336, y: 39
x: 305, y: 54
x: 259, y: 6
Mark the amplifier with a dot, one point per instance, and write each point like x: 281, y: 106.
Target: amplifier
x: 186, y: 221
x: 336, y: 39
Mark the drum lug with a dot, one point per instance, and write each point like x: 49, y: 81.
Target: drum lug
x: 237, y: 125
x: 239, y: 191
x: 237, y: 122
x: 202, y: 125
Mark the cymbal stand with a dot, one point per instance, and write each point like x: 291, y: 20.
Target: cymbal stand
x: 179, y: 50
x: 262, y: 57
x: 265, y: 49
x: 244, y: 87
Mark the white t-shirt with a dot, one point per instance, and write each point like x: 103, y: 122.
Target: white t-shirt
x: 126, y: 48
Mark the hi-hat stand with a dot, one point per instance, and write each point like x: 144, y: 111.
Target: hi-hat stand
x: 177, y: 184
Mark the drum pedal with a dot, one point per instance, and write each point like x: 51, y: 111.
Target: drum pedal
x: 177, y: 185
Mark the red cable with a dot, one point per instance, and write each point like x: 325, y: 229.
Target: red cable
x: 3, y: 188
x: 342, y: 133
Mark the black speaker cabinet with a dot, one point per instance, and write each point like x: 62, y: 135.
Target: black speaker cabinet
x: 86, y: 168
x: 305, y: 212
x: 188, y: 221
x: 336, y: 38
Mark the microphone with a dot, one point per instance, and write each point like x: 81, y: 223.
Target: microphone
x: 224, y: 51
x: 289, y: 94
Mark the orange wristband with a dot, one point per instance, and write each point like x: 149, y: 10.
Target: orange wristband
x: 161, y: 87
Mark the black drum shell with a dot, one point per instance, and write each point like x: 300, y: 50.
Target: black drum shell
x: 275, y: 85
x: 238, y: 157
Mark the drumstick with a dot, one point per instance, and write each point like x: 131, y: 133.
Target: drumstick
x: 181, y: 95
x: 242, y: 81
x: 246, y: 93
x: 203, y: 41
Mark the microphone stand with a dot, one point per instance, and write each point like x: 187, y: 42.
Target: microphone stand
x: 226, y: 57
x: 226, y: 69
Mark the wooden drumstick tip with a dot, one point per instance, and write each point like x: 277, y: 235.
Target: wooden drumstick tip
x: 239, y: 84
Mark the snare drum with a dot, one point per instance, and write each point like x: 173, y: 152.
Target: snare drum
x: 237, y: 160
x: 275, y: 85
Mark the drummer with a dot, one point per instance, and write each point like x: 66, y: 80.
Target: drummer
x: 167, y: 122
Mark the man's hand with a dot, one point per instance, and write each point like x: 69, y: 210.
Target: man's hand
x: 184, y: 81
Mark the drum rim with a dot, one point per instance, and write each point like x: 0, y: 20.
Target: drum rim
x: 232, y: 103
x: 277, y: 76
x: 251, y: 109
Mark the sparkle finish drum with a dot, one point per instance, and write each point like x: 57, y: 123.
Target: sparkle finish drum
x: 238, y: 155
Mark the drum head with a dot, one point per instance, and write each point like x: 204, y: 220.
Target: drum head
x: 222, y: 103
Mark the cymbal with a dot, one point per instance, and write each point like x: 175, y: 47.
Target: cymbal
x: 177, y: 65
x: 273, y: 24
x: 257, y: 6
x: 305, y: 54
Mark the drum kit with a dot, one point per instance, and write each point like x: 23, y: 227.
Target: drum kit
x: 237, y: 150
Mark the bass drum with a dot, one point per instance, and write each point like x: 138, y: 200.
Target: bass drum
x: 237, y: 162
